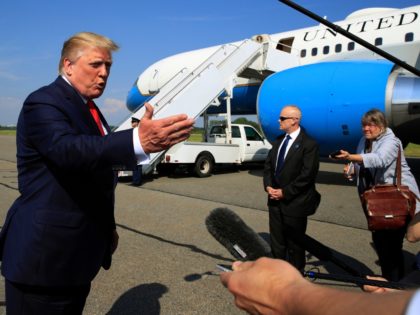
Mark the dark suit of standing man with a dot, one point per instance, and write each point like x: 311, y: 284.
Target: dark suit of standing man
x: 61, y: 229
x: 291, y: 186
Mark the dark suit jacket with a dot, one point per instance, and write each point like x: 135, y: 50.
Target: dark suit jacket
x: 297, y: 177
x: 58, y: 231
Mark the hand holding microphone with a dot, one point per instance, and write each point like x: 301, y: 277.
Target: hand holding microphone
x: 245, y: 244
x: 273, y: 286
x: 264, y: 286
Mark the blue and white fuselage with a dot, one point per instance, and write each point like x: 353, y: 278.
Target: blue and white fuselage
x: 331, y: 78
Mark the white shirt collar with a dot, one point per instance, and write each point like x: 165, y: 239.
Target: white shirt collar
x: 293, y: 135
x: 67, y: 80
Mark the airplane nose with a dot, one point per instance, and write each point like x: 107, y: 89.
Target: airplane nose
x: 135, y: 99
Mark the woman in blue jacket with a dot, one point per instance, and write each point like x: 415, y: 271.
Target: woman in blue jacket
x: 375, y: 163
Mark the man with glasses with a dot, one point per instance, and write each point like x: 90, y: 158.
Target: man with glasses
x: 289, y: 180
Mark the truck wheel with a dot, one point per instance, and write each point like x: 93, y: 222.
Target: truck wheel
x: 204, y: 165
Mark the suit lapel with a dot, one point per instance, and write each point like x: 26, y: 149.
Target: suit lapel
x: 79, y: 108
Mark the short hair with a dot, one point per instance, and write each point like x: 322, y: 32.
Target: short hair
x: 73, y: 47
x: 295, y: 109
x: 375, y: 117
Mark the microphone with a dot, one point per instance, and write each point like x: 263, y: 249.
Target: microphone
x: 239, y: 239
x: 245, y: 244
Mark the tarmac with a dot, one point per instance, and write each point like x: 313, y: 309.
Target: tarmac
x: 166, y: 259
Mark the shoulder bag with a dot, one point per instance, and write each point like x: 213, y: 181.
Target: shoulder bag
x: 388, y: 207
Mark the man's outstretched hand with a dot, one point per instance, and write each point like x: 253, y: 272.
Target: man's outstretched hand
x: 161, y: 134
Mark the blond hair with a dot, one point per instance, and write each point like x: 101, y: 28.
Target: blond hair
x: 73, y: 47
x: 375, y: 117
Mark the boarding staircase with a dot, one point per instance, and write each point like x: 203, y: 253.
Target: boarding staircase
x: 192, y: 92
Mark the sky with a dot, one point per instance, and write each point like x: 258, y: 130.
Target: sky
x: 32, y: 33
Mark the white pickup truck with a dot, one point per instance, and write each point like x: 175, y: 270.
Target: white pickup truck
x: 246, y: 145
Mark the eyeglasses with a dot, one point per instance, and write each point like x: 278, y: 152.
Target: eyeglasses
x: 370, y: 125
x: 282, y: 118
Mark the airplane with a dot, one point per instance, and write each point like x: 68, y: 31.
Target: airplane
x: 332, y: 78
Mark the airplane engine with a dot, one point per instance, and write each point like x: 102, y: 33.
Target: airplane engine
x: 333, y: 96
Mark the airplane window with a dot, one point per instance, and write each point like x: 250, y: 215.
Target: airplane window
x: 350, y: 46
x: 378, y: 41
x: 338, y: 48
x: 303, y: 53
x: 409, y: 37
x: 314, y: 51
x: 326, y: 50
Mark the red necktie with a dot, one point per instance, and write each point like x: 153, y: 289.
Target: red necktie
x: 95, y: 115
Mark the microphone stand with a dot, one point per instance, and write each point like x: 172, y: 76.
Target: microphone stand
x: 360, y: 281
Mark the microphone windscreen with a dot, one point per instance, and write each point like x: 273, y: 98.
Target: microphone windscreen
x: 239, y: 239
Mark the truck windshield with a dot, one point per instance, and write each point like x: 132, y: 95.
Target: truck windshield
x: 220, y: 130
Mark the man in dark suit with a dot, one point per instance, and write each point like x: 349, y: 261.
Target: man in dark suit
x: 61, y: 229
x: 289, y: 180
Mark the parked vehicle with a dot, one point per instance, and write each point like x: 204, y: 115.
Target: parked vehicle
x: 244, y: 145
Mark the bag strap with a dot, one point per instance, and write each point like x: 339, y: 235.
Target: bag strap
x: 398, y: 174
x: 398, y: 169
